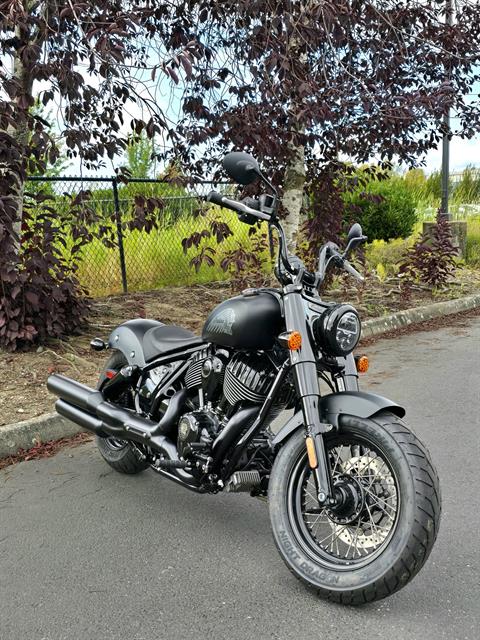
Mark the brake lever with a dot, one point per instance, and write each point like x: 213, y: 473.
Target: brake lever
x: 352, y: 271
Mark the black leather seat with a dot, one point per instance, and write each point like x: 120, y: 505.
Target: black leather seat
x: 167, y: 338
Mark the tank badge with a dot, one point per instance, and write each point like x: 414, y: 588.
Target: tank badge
x: 222, y: 322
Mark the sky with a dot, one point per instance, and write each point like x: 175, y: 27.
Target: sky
x: 462, y: 153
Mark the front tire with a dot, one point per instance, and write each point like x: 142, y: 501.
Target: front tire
x: 382, y: 542
x: 119, y: 454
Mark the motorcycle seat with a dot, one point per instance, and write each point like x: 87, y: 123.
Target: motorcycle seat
x: 167, y: 338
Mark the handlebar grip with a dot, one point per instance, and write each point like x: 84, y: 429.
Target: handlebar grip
x: 215, y: 197
x: 234, y: 205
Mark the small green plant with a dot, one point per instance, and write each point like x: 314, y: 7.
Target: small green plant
x: 387, y: 254
x: 472, y: 256
x: 467, y: 191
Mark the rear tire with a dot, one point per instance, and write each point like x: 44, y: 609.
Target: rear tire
x: 395, y: 557
x: 119, y: 454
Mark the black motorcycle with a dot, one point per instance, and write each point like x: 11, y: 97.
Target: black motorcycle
x: 354, y: 499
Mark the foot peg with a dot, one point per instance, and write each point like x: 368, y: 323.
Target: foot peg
x: 170, y: 464
x: 243, y: 481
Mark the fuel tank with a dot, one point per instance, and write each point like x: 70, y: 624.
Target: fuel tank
x: 250, y: 321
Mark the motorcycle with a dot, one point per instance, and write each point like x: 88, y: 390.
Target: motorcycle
x: 353, y: 497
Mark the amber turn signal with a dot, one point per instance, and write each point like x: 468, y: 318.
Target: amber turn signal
x: 312, y: 456
x: 294, y: 341
x: 362, y: 364
x: 290, y: 340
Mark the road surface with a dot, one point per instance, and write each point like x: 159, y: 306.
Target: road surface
x: 86, y: 553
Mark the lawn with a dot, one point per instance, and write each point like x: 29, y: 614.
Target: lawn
x: 156, y: 259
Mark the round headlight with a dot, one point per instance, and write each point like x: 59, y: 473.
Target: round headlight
x: 338, y: 330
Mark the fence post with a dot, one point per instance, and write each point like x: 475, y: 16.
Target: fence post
x: 118, y: 219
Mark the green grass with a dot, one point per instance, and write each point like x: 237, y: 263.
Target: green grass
x: 472, y: 257
x: 156, y: 259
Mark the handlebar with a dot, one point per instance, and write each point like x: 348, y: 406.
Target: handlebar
x: 234, y: 205
x: 294, y: 266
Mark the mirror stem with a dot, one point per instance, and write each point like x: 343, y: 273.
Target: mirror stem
x: 268, y: 183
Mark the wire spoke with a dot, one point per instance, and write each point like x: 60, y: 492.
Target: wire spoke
x: 336, y: 463
x: 355, y: 464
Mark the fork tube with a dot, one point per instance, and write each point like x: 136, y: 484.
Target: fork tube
x: 304, y: 367
x: 349, y: 377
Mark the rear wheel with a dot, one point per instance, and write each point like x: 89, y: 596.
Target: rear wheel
x: 119, y: 454
x: 384, y: 531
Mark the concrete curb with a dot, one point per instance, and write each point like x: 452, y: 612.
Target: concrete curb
x: 26, y: 434
x: 377, y: 326
x: 51, y: 426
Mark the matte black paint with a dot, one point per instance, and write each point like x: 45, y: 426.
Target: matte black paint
x: 241, y: 167
x: 128, y: 338
x: 230, y: 434
x: 248, y: 322
x: 114, y: 420
x: 333, y: 405
x: 142, y: 340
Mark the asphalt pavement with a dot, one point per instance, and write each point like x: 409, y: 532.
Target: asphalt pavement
x: 89, y: 554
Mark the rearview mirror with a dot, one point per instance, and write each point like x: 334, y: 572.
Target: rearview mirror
x: 354, y: 239
x: 355, y: 232
x: 241, y: 167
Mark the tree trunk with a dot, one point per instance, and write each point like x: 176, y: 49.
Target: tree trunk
x: 20, y: 134
x: 292, y: 200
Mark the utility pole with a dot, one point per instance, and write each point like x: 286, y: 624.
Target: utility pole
x: 446, y: 139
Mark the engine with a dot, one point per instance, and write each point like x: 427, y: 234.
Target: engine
x: 196, y: 431
x: 218, y: 386
x: 225, y: 383
x: 248, y: 377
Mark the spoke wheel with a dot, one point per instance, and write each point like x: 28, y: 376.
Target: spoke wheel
x: 359, y: 529
x: 381, y: 529
x: 116, y: 444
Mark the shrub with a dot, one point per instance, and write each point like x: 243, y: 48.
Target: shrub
x: 432, y: 258
x: 389, y: 255
x: 385, y: 209
x: 40, y: 293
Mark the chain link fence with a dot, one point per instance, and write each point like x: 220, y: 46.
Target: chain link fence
x: 142, y: 259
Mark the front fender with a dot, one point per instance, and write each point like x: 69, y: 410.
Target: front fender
x: 333, y: 405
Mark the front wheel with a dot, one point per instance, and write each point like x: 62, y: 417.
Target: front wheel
x: 381, y: 535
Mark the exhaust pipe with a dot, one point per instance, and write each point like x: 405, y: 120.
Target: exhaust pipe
x: 76, y: 415
x: 87, y: 408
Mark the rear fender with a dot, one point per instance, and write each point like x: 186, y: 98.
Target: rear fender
x: 334, y: 405
x: 128, y: 337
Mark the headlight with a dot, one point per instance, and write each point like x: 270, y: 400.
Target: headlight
x: 338, y: 330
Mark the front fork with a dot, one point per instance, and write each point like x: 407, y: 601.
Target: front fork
x: 304, y: 366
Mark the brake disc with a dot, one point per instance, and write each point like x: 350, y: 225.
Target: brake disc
x: 370, y: 529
